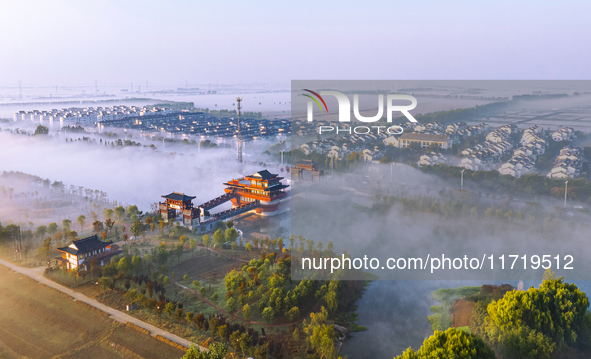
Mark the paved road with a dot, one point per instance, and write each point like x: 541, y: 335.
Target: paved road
x: 37, y: 274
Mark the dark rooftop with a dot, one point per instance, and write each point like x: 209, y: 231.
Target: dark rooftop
x: 85, y: 245
x: 264, y: 174
x: 175, y: 196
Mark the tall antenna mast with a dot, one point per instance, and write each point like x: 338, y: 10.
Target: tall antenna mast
x: 239, y: 100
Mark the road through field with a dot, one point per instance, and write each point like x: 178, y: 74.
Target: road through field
x: 37, y: 274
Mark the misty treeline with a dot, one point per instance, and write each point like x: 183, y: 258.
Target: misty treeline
x: 461, y: 204
x: 551, y: 321
x: 529, y: 185
x: 55, y: 186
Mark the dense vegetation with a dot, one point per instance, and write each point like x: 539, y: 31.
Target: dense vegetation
x: 538, y: 323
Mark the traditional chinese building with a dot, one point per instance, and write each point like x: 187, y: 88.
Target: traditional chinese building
x: 183, y: 204
x: 81, y: 253
x: 307, y: 165
x: 264, y: 187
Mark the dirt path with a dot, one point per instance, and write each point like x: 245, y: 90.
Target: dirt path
x: 37, y: 274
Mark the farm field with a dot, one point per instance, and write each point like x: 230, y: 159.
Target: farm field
x: 39, y: 322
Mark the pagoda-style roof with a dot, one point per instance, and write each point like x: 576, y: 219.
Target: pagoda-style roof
x: 264, y: 174
x: 85, y: 245
x: 175, y: 196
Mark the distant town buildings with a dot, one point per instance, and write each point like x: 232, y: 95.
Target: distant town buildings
x: 200, y: 123
x: 87, y: 116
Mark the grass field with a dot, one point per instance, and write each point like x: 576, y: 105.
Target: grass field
x: 206, y: 267
x: 39, y: 322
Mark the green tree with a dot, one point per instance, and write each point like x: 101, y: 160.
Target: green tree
x: 205, y: 239
x: 136, y: 229
x: 524, y: 343
x: 133, y: 211
x: 190, y: 316
x: 178, y: 251
x: 231, y: 234
x: 556, y: 309
x: 52, y: 228
x: 41, y: 230
x: 107, y: 213
x: 137, y: 264
x: 231, y: 304
x: 293, y: 314
x: 81, y: 221
x: 119, y: 213
x: 41, y: 130
x: 216, y: 351
x: 218, y: 238
x: 452, y: 343
x: 246, y: 311
x: 192, y: 245
x: 268, y: 314
x: 169, y: 308
x: 123, y: 265
x: 47, y: 247
x: 66, y: 225
x: 103, y: 283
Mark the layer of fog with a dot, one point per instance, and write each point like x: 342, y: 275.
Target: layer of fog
x: 330, y: 212
x: 130, y: 175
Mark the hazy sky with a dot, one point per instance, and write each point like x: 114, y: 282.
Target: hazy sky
x: 49, y: 42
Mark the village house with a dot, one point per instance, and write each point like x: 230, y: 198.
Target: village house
x: 517, y: 166
x: 568, y: 164
x: 424, y: 140
x: 82, y: 252
x: 563, y: 134
x: 431, y: 158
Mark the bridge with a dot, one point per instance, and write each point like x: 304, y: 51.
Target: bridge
x: 218, y: 201
x: 232, y: 212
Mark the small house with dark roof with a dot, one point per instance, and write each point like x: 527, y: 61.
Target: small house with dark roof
x: 83, y: 251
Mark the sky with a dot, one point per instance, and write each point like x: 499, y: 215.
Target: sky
x: 176, y: 42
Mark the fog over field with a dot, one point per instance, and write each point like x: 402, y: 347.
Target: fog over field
x: 130, y: 175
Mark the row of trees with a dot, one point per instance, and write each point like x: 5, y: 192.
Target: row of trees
x: 532, y: 184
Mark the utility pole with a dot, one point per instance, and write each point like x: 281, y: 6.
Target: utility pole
x: 391, y: 171
x: 20, y: 244
x: 14, y: 245
x: 239, y: 100
x: 462, y: 180
x: 565, y: 192
x: 332, y: 165
x: 95, y: 86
